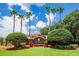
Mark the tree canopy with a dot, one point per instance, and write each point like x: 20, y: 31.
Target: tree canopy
x: 69, y: 22
x: 60, y: 35
x: 16, y: 36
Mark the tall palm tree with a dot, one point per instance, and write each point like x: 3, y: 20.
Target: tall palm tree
x: 21, y: 16
x: 1, y: 41
x: 60, y: 10
x: 54, y: 10
x: 14, y: 13
x: 48, y: 10
x: 29, y: 14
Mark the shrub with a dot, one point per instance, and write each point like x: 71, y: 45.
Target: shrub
x: 16, y: 37
x: 69, y: 47
x: 60, y: 37
x: 77, y: 37
x: 59, y: 46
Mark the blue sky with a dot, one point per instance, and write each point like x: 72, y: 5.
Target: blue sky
x: 39, y: 19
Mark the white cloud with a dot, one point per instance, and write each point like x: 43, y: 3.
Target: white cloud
x: 10, y: 5
x: 32, y: 17
x: 41, y: 24
x: 25, y: 8
x: 51, y: 18
x: 22, y: 5
x: 33, y: 27
x: 7, y: 23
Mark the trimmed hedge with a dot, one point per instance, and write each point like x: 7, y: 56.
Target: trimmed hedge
x: 16, y: 36
x: 16, y: 39
x: 60, y: 37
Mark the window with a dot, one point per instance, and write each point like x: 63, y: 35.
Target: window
x: 38, y: 41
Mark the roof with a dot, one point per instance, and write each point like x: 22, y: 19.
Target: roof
x: 37, y: 35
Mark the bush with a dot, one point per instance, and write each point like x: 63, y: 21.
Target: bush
x: 69, y: 47
x: 60, y: 37
x: 16, y: 37
x: 59, y: 46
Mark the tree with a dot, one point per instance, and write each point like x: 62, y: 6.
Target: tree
x: 14, y: 13
x: 75, y: 31
x: 48, y: 10
x: 44, y: 31
x: 1, y: 41
x: 60, y: 37
x: 60, y: 10
x: 71, y: 22
x: 54, y: 10
x: 29, y: 14
x: 16, y: 38
x: 22, y: 18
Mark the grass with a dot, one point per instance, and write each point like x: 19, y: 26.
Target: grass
x: 39, y: 52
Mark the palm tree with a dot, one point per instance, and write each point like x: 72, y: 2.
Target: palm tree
x: 60, y: 10
x: 14, y: 13
x: 29, y: 14
x: 54, y: 10
x: 1, y: 41
x: 21, y: 16
x: 48, y: 10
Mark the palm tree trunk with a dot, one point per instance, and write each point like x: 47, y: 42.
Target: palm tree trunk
x: 60, y: 20
x: 1, y: 42
x: 49, y: 22
x: 21, y: 26
x: 14, y: 24
x: 54, y: 23
x: 6, y: 43
x: 60, y: 17
x: 29, y: 27
x: 54, y: 20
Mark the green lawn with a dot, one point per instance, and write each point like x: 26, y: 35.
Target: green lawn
x: 39, y: 52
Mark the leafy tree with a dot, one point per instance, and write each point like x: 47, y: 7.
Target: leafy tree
x: 55, y: 26
x: 14, y: 13
x: 60, y: 37
x: 75, y: 27
x: 44, y: 31
x: 71, y: 22
x: 75, y: 31
x: 16, y: 37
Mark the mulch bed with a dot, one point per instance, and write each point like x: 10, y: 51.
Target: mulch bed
x: 69, y: 49
x: 65, y: 48
x: 13, y: 48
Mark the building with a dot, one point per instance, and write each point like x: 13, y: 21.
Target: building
x: 37, y: 40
